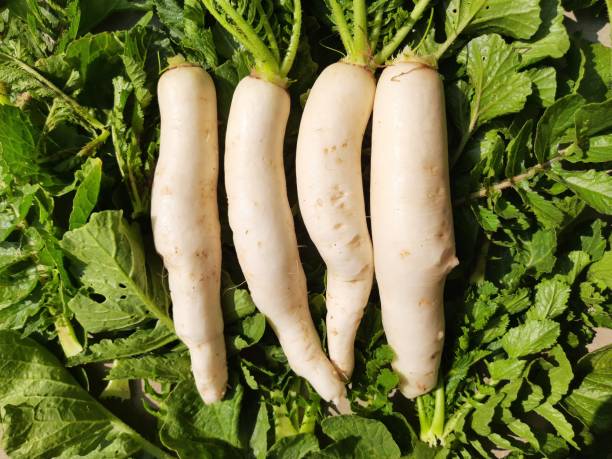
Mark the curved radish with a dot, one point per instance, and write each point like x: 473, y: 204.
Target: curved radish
x: 264, y: 234
x: 412, y: 224
x: 186, y: 220
x: 330, y: 192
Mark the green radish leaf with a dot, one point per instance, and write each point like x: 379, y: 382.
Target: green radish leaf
x: 138, y: 343
x: 592, y: 119
x: 15, y: 287
x: 211, y: 430
x: 531, y: 337
x: 483, y: 415
x: 86, y: 195
x: 594, y: 187
x: 544, y: 80
x: 486, y: 218
x: 520, y: 429
x: 560, y: 376
x: 550, y: 300
x: 590, y: 402
x: 506, y: 369
x: 245, y: 333
x: 538, y: 252
x: 375, y: 441
x: 518, y: 149
x: 554, y: 125
x: 601, y: 270
x: 172, y: 366
x: 595, y: 83
x: 259, y: 438
x: 499, y: 88
x: 108, y: 259
x: 558, y: 421
x: 18, y: 144
x: 547, y: 213
x: 599, y: 150
x: 594, y: 244
x: 296, y: 447
x: 550, y: 41
x: 40, y: 399
x: 519, y: 19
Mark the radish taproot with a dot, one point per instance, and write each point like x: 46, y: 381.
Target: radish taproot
x: 259, y: 213
x: 185, y: 219
x: 329, y: 177
x: 412, y: 222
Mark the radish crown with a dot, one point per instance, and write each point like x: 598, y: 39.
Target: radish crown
x: 371, y: 33
x: 269, y: 31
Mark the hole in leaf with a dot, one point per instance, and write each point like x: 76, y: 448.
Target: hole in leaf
x: 454, y: 10
x: 123, y: 297
x: 97, y: 297
x: 121, y: 285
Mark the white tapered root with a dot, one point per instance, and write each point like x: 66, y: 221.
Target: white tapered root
x: 263, y: 229
x: 411, y: 216
x: 330, y: 192
x: 185, y: 220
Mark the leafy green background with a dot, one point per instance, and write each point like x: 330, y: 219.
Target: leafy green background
x: 530, y: 143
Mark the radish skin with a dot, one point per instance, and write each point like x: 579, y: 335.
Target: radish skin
x: 185, y: 220
x: 330, y: 192
x: 411, y: 216
x: 263, y: 229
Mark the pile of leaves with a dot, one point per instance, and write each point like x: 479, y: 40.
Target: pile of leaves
x: 530, y: 142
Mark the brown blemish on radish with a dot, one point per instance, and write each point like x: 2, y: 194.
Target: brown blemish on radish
x: 431, y: 169
x: 344, y: 144
x: 326, y: 150
x: 355, y: 241
x: 337, y: 226
x: 404, y: 253
x: 423, y: 302
x: 336, y: 196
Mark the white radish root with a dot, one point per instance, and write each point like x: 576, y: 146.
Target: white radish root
x: 263, y: 229
x: 330, y: 192
x: 185, y: 220
x: 411, y: 216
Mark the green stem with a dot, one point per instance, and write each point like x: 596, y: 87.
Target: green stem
x: 376, y: 29
x: 466, y: 137
x: 437, y: 423
x: 432, y: 430
x: 401, y: 34
x: 78, y: 109
x: 343, y: 28
x: 265, y: 62
x: 67, y: 338
x: 510, y: 182
x: 424, y: 424
x: 91, y: 146
x: 461, y: 27
x: 269, y: 32
x: 360, y: 32
x: 294, y: 41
